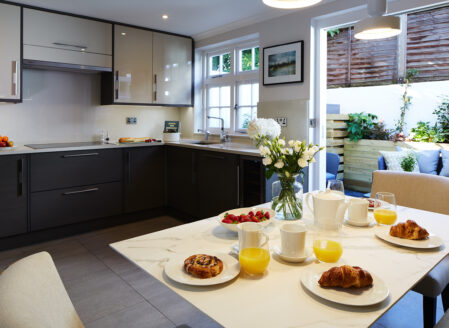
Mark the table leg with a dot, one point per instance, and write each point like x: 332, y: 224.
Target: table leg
x: 445, y: 298
x: 429, y: 311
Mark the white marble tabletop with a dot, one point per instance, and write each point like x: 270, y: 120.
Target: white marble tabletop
x: 278, y: 299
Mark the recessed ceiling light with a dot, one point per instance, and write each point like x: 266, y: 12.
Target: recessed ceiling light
x: 123, y: 33
x: 290, y: 4
x: 164, y: 16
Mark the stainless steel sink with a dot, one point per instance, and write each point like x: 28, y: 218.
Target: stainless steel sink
x: 202, y: 142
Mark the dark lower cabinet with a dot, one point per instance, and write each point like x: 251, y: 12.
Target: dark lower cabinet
x: 72, y: 205
x: 144, y: 178
x: 13, y: 195
x: 218, y: 186
x: 181, y: 180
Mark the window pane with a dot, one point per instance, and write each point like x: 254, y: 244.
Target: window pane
x: 245, y: 116
x: 255, y: 89
x: 226, y: 66
x: 246, y: 60
x: 219, y: 112
x: 225, y: 114
x: 245, y: 95
x: 256, y: 59
x: 225, y: 96
x: 214, y: 97
x: 212, y: 122
x: 215, y: 65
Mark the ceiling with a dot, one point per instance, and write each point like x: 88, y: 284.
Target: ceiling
x: 189, y: 17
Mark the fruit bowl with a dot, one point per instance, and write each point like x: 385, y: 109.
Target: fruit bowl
x: 246, y: 210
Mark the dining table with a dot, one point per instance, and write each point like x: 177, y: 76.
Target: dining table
x: 278, y: 298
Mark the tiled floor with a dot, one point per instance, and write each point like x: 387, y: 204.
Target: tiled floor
x: 110, y: 292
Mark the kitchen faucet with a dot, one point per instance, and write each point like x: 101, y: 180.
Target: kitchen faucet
x: 223, y: 136
x: 206, y: 133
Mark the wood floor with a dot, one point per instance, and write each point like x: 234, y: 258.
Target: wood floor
x: 110, y: 292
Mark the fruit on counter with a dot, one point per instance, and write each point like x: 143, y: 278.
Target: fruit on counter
x: 150, y: 140
x: 131, y: 140
x: 5, y: 138
x: 259, y: 216
x: 10, y: 143
x: 5, y: 142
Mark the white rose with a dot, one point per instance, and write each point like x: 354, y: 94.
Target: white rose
x: 305, y: 155
x: 302, y: 162
x: 264, y: 151
x: 291, y: 143
x: 267, y: 161
x: 281, y: 142
x: 315, y: 149
x: 279, y: 164
x: 297, y: 148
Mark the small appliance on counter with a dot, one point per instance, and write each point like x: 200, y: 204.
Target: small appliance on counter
x: 171, y: 131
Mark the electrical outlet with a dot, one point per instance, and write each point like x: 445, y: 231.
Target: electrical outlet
x: 281, y: 120
x: 131, y: 120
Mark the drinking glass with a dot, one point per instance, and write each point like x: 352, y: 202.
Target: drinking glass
x: 336, y: 185
x: 254, y: 254
x: 327, y: 246
x: 386, y: 213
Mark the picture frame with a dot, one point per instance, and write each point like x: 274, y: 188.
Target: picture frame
x: 283, y: 63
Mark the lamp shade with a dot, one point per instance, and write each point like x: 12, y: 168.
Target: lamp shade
x: 377, y: 27
x: 290, y: 4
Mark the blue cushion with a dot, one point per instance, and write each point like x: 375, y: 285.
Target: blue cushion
x: 445, y: 170
x: 330, y: 176
x: 427, y: 160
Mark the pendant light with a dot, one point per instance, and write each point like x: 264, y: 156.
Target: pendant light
x: 377, y: 26
x: 290, y: 4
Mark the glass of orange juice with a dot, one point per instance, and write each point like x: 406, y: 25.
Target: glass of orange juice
x: 254, y: 255
x: 327, y: 246
x: 386, y: 213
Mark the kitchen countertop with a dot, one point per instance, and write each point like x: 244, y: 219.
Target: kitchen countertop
x: 232, y: 148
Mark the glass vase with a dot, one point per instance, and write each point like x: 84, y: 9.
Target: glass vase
x: 287, y: 197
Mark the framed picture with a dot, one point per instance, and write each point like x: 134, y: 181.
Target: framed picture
x: 283, y: 63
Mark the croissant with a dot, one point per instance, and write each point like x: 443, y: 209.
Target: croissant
x: 346, y: 276
x: 409, y: 230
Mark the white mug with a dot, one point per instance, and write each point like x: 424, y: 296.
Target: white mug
x: 293, y: 239
x: 251, y: 235
x: 358, y: 210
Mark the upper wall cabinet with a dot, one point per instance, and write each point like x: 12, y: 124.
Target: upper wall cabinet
x: 133, y: 70
x: 172, y: 66
x: 10, y: 56
x: 64, y: 39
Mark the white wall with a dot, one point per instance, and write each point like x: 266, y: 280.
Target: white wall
x: 385, y: 101
x: 65, y: 106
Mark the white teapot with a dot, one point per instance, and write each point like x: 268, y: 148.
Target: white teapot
x: 328, y: 209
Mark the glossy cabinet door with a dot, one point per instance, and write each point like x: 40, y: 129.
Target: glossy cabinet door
x: 133, y: 65
x: 172, y: 66
x: 13, y: 195
x: 10, y: 26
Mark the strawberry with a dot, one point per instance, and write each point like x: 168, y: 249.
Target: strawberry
x: 267, y: 215
x: 251, y: 213
x: 228, y: 221
x: 254, y: 219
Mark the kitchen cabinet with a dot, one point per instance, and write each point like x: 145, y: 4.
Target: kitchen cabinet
x: 218, y: 183
x: 144, y: 178
x: 13, y: 195
x: 181, y: 180
x: 172, y: 68
x: 64, y: 39
x: 10, y: 54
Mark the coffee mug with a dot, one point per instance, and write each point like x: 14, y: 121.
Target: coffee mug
x: 293, y: 239
x: 358, y: 210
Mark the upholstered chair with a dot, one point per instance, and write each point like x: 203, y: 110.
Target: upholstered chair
x: 430, y: 193
x: 32, y: 295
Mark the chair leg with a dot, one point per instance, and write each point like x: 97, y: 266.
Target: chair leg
x: 445, y: 298
x: 429, y: 311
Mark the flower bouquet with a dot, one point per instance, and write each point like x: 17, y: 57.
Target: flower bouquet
x: 287, y: 160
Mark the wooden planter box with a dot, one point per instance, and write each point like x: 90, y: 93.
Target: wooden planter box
x: 361, y: 159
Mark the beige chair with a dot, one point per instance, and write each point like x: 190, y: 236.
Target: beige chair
x: 430, y: 193
x: 32, y: 296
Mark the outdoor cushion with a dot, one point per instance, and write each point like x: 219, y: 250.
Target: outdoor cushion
x: 445, y: 170
x: 394, y: 158
x: 427, y: 160
x: 330, y: 176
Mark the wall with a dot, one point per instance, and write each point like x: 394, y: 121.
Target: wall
x: 385, y: 101
x: 65, y: 106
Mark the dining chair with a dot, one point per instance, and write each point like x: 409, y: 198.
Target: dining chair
x: 332, y: 163
x: 430, y: 193
x: 32, y: 295
x: 444, y: 321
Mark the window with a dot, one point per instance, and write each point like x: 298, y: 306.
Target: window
x: 231, y: 87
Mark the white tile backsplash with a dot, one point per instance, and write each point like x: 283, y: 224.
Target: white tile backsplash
x: 65, y: 106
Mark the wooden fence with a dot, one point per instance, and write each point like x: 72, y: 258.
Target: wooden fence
x: 335, y: 134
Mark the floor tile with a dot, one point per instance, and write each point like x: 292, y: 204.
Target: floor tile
x: 141, y: 315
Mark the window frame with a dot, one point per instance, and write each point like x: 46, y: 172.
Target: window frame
x: 233, y: 79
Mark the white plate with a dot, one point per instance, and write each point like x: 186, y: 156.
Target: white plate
x: 246, y: 210
x: 8, y: 148
x: 347, y: 296
x: 373, y: 208
x: 370, y: 222
x: 383, y: 232
x: 174, y: 269
x: 307, y: 253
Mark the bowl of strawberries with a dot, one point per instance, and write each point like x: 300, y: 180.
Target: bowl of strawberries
x: 260, y: 215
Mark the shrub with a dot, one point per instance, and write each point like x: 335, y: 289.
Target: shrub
x: 360, y: 125
x: 442, y: 113
x: 426, y: 133
x: 408, y: 163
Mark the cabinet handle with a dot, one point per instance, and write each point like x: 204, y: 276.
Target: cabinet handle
x: 155, y: 88
x: 129, y: 167
x: 238, y: 185
x: 14, y: 70
x: 69, y: 45
x: 20, y: 178
x: 68, y: 193
x: 117, y: 82
x: 80, y: 155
